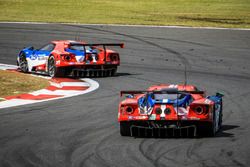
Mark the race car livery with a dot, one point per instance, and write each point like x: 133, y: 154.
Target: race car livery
x: 73, y: 58
x: 170, y: 110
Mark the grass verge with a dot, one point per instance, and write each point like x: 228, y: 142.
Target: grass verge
x: 13, y: 83
x: 212, y: 13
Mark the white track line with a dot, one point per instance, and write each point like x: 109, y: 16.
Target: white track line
x: 125, y: 25
x: 73, y: 84
x: 56, y: 92
x: 91, y: 84
x: 7, y: 66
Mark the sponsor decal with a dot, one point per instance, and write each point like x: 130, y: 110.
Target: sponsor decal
x: 181, y: 110
x: 207, y: 101
x: 194, y: 118
x: 184, y: 117
x: 41, y: 58
x: 152, y: 117
x: 58, y: 62
x: 173, y: 86
x: 141, y: 117
x: 81, y: 59
x: 33, y: 57
x: 165, y: 101
x: 130, y: 117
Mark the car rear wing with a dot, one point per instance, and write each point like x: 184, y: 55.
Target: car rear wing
x: 121, y: 45
x: 167, y: 91
x: 103, y: 44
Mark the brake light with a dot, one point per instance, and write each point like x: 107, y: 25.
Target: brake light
x: 158, y: 111
x: 114, y: 57
x: 67, y: 57
x: 127, y: 109
x: 200, y: 109
x: 92, y: 57
x: 122, y: 45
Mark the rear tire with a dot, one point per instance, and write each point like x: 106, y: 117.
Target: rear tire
x: 221, y: 115
x: 113, y: 72
x: 23, y: 64
x: 211, y: 128
x: 125, y: 129
x: 53, y: 71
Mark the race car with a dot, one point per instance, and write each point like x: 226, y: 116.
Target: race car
x: 170, y: 111
x: 70, y: 58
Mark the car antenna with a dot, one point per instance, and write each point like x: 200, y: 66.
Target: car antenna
x: 77, y: 36
x: 185, y: 75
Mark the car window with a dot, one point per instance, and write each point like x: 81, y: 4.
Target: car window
x: 79, y: 47
x: 168, y: 96
x: 48, y: 47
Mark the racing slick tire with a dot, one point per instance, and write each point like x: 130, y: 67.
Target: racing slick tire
x: 113, y: 71
x: 211, y: 129
x: 221, y: 115
x: 54, y: 71
x: 23, y: 64
x: 125, y: 129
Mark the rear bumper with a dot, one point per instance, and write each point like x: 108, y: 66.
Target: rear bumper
x: 94, y: 72
x: 167, y: 128
x: 184, y: 131
x: 91, y: 70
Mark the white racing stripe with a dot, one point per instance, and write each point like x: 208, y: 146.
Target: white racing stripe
x: 163, y: 107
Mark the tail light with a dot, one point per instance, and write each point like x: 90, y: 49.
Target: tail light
x: 200, y: 109
x: 91, y: 57
x: 67, y: 57
x: 158, y: 111
x: 114, y: 57
x: 128, y: 109
x: 167, y: 111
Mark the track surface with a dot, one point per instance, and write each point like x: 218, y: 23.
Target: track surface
x: 83, y: 131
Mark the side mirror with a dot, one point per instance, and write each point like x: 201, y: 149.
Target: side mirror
x: 218, y: 94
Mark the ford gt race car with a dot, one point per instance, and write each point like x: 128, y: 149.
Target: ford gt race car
x: 170, y: 111
x: 73, y: 58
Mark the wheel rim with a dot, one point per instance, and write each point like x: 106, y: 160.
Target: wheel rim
x: 23, y: 63
x: 52, y: 67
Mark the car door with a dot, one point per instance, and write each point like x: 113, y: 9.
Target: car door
x: 40, y: 57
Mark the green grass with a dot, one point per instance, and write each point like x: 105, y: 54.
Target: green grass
x: 13, y: 83
x: 218, y: 13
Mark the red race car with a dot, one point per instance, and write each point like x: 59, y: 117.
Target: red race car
x: 170, y: 110
x: 75, y: 58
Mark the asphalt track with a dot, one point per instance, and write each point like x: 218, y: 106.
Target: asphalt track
x: 83, y: 130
